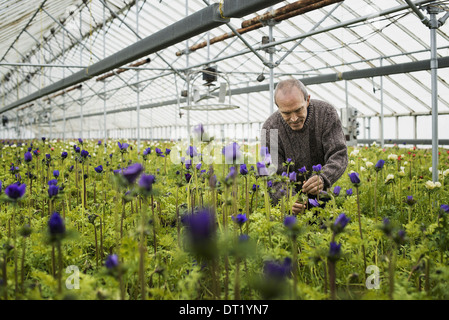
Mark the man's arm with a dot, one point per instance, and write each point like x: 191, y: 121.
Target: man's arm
x: 335, y: 149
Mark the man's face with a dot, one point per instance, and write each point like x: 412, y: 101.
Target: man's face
x: 293, y: 107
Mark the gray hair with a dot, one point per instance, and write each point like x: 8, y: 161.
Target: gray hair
x: 287, y: 84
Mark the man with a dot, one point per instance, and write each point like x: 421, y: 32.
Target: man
x: 310, y: 134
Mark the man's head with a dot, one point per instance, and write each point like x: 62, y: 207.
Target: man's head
x: 292, y: 100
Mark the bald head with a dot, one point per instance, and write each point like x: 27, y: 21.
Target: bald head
x: 286, y: 86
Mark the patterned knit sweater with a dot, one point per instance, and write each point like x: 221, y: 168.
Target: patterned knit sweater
x: 320, y: 141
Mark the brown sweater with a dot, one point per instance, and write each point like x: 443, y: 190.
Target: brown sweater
x: 320, y: 141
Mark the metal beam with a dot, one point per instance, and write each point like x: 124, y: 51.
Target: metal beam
x: 201, y: 21
x: 350, y: 75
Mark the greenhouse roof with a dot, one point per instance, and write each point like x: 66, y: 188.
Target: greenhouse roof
x: 76, y: 66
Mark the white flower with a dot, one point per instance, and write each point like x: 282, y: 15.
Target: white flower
x: 392, y: 156
x: 389, y: 178
x: 354, y: 153
x: 445, y: 172
x: 351, y: 162
x: 362, y: 169
x: 374, y: 144
x: 430, y: 185
x: 369, y: 164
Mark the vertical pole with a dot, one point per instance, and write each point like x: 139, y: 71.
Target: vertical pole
x: 188, y: 77
x: 81, y: 89
x: 63, y: 96
x: 381, y: 124
x: 270, y: 37
x: 433, y: 69
x: 137, y: 86
x: 104, y: 82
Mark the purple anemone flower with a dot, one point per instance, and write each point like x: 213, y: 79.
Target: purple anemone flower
x: 354, y: 177
x: 132, y: 172
x: 56, y: 224
x: 277, y: 270
x: 28, y: 157
x: 122, y: 146
x: 99, y: 169
x: 240, y: 219
x: 314, y: 203
x: 231, y: 152
x: 146, y: 182
x: 337, y: 190
x: 243, y: 169
x: 112, y: 261
x: 289, y: 221
x: 15, y: 191
x: 53, y: 190
x: 262, y: 169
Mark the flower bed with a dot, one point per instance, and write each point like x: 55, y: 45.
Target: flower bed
x: 174, y: 221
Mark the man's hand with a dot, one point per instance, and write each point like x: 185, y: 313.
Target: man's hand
x: 298, y: 207
x: 313, y: 186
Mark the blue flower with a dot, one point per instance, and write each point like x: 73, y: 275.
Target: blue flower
x: 15, y: 191
x: 198, y: 166
x: 240, y: 219
x: 231, y: 152
x: 317, y: 168
x: 337, y: 190
x: 354, y: 177
x: 340, y: 223
x: 111, y: 261
x: 53, y: 190
x: 99, y: 169
x: 159, y: 152
x: 289, y: 221
x: 146, y: 182
x: 147, y: 151
x: 243, y: 169
x: 274, y: 269
x: 334, y: 251
x: 379, y: 165
x: 56, y: 224
x: 132, y: 172
x: 349, y: 192
x: 270, y: 184
x: 191, y: 151
x: 303, y: 170
x: 200, y: 225
x: 56, y: 173
x: 52, y: 182
x: 292, y: 176
x: 28, y: 157
x: 445, y: 208
x: 255, y: 187
x: 84, y: 153
x: 64, y: 155
x: 314, y: 203
x: 188, y: 177
x: 123, y: 147
x: 167, y: 151
x: 262, y: 169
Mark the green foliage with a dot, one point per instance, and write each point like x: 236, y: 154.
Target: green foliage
x: 149, y: 235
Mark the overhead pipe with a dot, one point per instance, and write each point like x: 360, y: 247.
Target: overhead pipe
x: 62, y: 92
x: 325, y: 78
x: 282, y: 15
x: 110, y: 74
x: 278, y: 12
x: 201, y: 21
